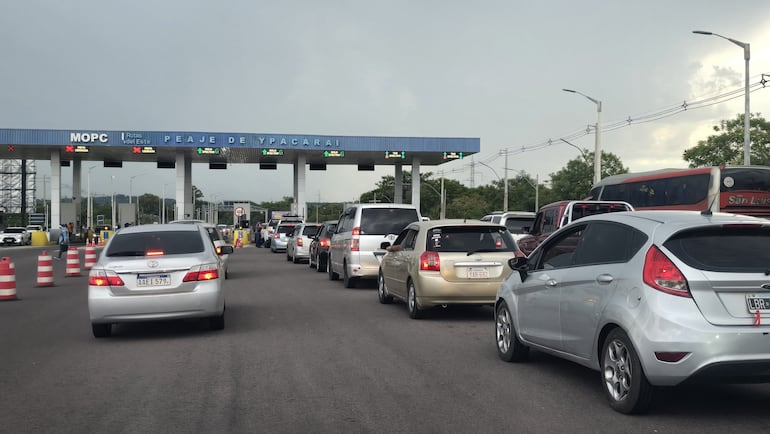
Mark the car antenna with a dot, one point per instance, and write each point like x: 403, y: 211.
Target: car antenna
x: 707, y: 212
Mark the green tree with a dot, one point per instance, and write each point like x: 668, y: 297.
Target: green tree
x: 726, y: 146
x: 575, y: 180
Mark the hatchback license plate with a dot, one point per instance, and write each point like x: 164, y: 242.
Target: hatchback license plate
x: 478, y: 273
x: 144, y: 280
x: 757, y: 303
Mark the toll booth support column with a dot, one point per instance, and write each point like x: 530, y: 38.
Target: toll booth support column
x: 398, y: 186
x: 300, y: 203
x: 76, y: 187
x: 183, y: 194
x: 55, y: 190
x: 416, y: 183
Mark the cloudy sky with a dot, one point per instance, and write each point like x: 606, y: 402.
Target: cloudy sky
x: 489, y: 69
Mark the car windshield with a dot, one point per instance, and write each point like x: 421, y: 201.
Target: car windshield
x: 384, y: 221
x: 165, y: 243
x: 14, y: 230
x: 469, y: 239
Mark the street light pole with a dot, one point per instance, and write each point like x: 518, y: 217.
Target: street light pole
x: 112, y: 222
x: 747, y: 113
x: 90, y: 201
x: 598, y: 135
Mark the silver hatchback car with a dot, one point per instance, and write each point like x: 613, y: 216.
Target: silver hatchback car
x: 157, y: 272
x: 648, y: 298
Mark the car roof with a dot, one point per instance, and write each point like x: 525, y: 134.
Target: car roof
x: 454, y: 222
x: 158, y: 228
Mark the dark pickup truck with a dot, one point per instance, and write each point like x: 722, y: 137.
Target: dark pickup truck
x: 555, y: 215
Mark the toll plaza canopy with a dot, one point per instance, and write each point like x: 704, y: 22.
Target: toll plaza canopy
x: 179, y: 149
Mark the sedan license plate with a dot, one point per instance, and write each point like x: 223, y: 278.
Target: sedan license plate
x: 478, y: 273
x: 145, y: 280
x: 758, y: 303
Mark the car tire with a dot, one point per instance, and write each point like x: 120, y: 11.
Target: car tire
x: 320, y: 266
x: 330, y: 268
x: 288, y: 258
x: 217, y: 322
x: 101, y: 330
x: 382, y: 291
x: 310, y: 261
x: 624, y: 383
x: 411, y: 301
x: 509, y: 347
x: 347, y: 280
x: 295, y: 259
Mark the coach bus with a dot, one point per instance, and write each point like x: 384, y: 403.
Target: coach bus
x: 733, y: 189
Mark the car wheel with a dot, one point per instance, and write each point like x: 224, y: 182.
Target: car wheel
x: 217, y: 322
x: 320, y: 266
x: 509, y: 348
x: 347, y: 280
x: 411, y: 301
x: 625, y: 384
x: 288, y: 258
x: 101, y: 330
x: 295, y: 259
x: 382, y: 292
x: 330, y: 268
x: 310, y: 261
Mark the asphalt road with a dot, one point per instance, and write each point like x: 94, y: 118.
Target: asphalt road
x: 301, y: 353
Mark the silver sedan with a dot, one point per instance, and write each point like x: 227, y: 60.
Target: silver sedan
x: 647, y: 298
x: 157, y: 272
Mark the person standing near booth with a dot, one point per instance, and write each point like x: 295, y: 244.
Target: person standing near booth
x: 64, y: 240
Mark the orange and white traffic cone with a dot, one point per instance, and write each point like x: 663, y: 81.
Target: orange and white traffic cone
x: 7, y: 279
x: 238, y: 243
x: 90, y: 257
x: 45, y: 269
x: 73, y: 263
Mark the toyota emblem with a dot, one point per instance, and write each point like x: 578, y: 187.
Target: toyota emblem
x: 152, y: 264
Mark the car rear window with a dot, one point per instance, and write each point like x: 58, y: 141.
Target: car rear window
x: 726, y: 249
x: 586, y: 209
x: 519, y: 225
x: 285, y: 229
x: 310, y: 231
x: 469, y: 239
x: 167, y: 242
x: 384, y: 221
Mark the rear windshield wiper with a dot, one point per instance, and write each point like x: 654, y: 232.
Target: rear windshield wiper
x: 488, y: 250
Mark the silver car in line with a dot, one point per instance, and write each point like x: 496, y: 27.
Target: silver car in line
x: 157, y: 272
x: 647, y: 298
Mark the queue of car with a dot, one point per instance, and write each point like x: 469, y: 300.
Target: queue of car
x: 646, y: 298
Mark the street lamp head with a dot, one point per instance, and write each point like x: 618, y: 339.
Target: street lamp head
x: 569, y: 90
x: 702, y: 32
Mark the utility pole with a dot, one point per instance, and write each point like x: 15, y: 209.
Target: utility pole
x: 505, y: 179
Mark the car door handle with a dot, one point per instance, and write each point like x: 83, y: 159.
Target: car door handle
x: 604, y: 278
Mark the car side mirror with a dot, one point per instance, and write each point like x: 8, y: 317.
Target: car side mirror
x: 384, y: 245
x: 520, y: 264
x: 225, y: 250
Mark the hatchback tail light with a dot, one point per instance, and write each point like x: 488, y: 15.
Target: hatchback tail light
x: 355, y: 240
x: 325, y: 242
x: 429, y: 261
x: 299, y: 242
x: 202, y: 272
x: 104, y: 278
x: 660, y: 273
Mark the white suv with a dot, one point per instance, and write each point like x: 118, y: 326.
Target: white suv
x: 355, y: 246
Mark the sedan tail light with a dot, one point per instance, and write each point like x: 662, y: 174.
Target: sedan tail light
x: 660, y: 273
x: 299, y: 242
x: 325, y: 242
x: 202, y: 272
x: 104, y: 278
x: 429, y: 261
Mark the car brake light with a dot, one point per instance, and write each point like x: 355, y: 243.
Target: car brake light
x: 355, y: 240
x: 104, y: 278
x: 154, y: 253
x: 324, y: 242
x: 277, y: 235
x: 202, y: 272
x: 429, y: 261
x: 660, y: 273
x: 299, y: 242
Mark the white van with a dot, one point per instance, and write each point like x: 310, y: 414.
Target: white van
x: 355, y: 246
